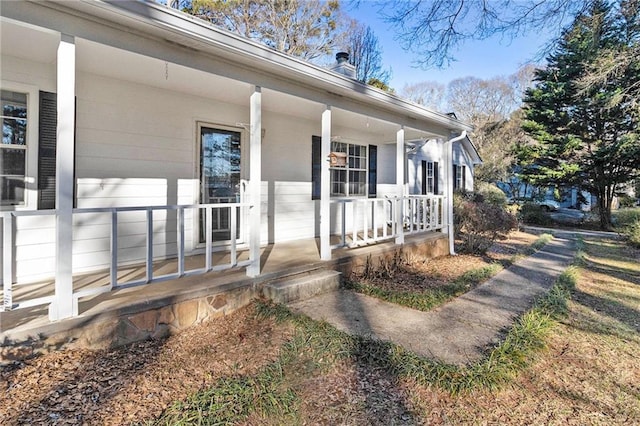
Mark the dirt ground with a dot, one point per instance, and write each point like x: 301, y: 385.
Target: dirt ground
x: 136, y: 383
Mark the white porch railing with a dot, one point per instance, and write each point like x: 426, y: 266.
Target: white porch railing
x: 423, y: 213
x: 372, y: 220
x: 9, y: 219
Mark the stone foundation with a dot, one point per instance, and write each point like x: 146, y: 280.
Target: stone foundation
x: 115, y: 329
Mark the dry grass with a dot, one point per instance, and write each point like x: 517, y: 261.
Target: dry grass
x: 588, y: 374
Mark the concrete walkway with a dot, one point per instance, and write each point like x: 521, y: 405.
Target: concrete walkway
x: 460, y: 331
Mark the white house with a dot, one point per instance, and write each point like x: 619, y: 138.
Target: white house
x: 133, y: 132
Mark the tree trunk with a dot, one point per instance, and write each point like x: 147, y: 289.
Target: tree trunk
x: 604, y: 208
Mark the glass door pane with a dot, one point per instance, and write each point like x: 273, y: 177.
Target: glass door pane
x: 220, y: 179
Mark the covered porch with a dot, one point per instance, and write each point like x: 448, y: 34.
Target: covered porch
x: 141, y: 118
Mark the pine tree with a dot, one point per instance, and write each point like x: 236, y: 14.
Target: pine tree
x: 582, y: 139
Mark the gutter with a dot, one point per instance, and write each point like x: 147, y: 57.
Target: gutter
x: 449, y: 160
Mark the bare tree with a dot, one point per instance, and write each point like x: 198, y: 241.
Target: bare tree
x: 308, y: 29
x: 434, y: 28
x: 427, y: 93
x: 365, y: 53
x: 479, y: 101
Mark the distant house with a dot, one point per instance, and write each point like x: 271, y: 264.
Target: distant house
x: 133, y: 132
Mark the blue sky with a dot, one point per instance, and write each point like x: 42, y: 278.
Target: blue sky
x: 484, y: 59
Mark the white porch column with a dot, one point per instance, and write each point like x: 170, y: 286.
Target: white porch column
x: 63, y: 305
x: 448, y: 151
x: 255, y: 180
x: 400, y: 166
x: 325, y: 190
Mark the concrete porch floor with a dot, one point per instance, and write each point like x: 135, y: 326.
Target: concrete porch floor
x: 277, y: 261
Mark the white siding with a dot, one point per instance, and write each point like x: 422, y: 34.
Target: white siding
x: 136, y: 145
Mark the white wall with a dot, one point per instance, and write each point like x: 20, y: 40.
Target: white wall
x: 430, y: 152
x: 462, y: 158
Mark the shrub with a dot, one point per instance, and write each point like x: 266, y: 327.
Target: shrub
x: 478, y: 223
x: 625, y: 217
x: 632, y: 232
x: 492, y: 194
x: 626, y: 201
x: 534, y: 214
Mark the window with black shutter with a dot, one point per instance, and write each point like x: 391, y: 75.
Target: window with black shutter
x: 373, y: 171
x: 316, y: 167
x: 47, y: 151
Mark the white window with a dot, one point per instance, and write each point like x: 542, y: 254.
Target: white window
x: 350, y: 179
x: 13, y: 150
x: 459, y: 177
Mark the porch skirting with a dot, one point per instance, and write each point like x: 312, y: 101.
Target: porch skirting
x: 151, y: 312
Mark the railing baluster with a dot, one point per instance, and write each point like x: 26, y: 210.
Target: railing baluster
x: 113, y: 268
x: 180, y: 242
x: 233, y: 221
x: 344, y: 224
x: 354, y: 224
x: 208, y: 231
x: 149, y: 268
x: 7, y: 261
x: 365, y: 222
x: 374, y: 216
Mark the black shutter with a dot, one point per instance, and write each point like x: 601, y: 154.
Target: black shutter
x: 316, y: 166
x: 436, y: 178
x: 463, y: 170
x: 424, y: 177
x: 47, y: 151
x: 455, y: 177
x: 373, y: 171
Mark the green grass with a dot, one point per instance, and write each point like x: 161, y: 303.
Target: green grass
x: 519, y: 349
x: 428, y: 299
x: 542, y: 240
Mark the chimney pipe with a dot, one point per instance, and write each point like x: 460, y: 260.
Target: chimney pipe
x: 342, y: 65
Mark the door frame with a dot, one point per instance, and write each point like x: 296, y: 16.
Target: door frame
x: 244, y: 170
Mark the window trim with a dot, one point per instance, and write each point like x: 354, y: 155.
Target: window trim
x: 459, y: 174
x: 31, y: 158
x: 347, y: 169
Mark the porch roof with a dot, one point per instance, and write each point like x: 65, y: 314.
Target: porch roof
x: 155, y: 30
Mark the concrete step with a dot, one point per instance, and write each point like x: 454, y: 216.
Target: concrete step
x: 302, y: 287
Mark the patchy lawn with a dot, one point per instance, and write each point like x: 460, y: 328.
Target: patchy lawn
x: 269, y: 369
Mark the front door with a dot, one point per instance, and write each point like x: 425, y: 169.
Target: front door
x: 220, y: 179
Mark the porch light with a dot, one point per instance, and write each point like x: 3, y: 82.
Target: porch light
x: 338, y: 159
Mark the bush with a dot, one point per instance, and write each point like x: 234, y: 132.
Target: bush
x: 534, y: 214
x: 625, y: 201
x: 492, y: 194
x: 625, y: 217
x: 632, y: 232
x: 627, y: 221
x: 478, y: 223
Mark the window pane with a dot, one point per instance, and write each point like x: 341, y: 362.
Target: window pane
x: 14, y: 104
x: 12, y: 169
x: 338, y: 147
x: 338, y: 182
x: 12, y: 161
x: 14, y: 131
x: 357, y: 181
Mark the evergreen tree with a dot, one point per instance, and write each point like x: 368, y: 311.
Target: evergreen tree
x: 581, y: 138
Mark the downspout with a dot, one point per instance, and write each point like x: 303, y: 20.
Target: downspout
x: 449, y: 160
